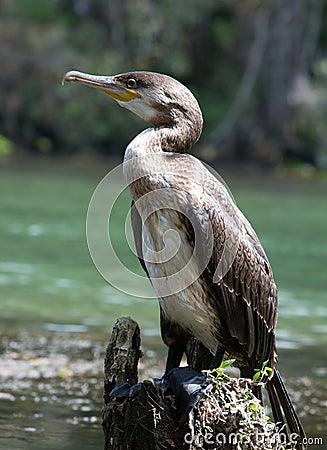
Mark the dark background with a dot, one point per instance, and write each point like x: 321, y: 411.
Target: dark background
x: 258, y: 69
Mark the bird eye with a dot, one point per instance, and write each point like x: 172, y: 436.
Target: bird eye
x: 131, y: 83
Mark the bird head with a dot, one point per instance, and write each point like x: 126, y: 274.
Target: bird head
x: 156, y: 98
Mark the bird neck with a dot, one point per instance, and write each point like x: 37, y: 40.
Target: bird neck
x: 183, y: 131
x: 145, y: 143
x: 146, y: 152
x: 177, y: 138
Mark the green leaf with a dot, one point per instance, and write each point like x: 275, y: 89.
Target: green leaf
x: 254, y: 407
x: 256, y: 376
x: 247, y: 394
x: 264, y: 364
x: 226, y: 363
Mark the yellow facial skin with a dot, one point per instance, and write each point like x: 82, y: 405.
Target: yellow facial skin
x: 124, y: 96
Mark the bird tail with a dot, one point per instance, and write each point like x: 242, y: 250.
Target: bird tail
x: 281, y: 406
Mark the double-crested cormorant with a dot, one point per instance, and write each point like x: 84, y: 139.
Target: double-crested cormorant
x: 218, y: 286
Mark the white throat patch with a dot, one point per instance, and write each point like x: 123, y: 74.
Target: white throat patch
x: 140, y: 108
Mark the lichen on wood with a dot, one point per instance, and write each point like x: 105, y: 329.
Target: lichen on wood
x: 231, y: 417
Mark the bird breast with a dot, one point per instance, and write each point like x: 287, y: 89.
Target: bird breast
x: 175, y: 274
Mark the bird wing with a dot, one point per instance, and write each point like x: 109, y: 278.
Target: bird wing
x: 246, y: 293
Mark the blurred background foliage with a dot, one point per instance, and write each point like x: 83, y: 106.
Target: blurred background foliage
x: 258, y: 69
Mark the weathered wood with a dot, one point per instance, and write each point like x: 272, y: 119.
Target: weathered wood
x: 120, y: 365
x: 142, y: 416
x: 123, y: 353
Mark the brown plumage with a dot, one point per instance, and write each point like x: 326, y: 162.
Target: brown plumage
x: 226, y: 296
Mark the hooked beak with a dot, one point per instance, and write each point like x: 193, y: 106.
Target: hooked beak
x: 106, y: 84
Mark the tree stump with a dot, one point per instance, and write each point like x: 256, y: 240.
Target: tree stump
x: 143, y: 416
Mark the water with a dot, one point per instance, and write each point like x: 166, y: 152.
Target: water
x: 57, y: 311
